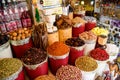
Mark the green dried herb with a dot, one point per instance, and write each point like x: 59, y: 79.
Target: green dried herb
x: 9, y: 66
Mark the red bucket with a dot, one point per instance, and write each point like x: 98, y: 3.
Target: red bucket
x: 77, y: 30
x: 34, y: 71
x: 57, y: 61
x: 75, y: 52
x: 19, y: 47
x: 21, y: 76
x: 89, y: 25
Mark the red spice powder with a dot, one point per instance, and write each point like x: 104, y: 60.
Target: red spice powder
x: 58, y: 49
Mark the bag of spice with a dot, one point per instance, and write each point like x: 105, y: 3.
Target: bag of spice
x: 5, y: 49
x: 58, y: 54
x: 53, y: 35
x: 88, y: 67
x: 45, y: 77
x: 64, y: 25
x: 11, y: 69
x: 91, y: 23
x: 21, y: 41
x: 101, y: 56
x: 90, y: 41
x: 79, y: 26
x: 76, y: 48
x: 68, y: 72
x: 35, y: 62
x: 40, y: 36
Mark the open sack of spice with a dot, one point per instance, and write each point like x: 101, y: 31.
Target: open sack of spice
x: 40, y: 36
x: 35, y: 62
x: 11, y: 69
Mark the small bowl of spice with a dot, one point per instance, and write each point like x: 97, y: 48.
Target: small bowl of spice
x: 68, y: 72
x: 58, y: 54
x: 88, y: 67
x: 11, y: 69
x: 76, y: 48
x: 35, y: 62
x: 101, y: 56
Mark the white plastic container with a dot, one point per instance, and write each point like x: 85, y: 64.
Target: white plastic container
x: 88, y: 75
x: 5, y: 50
x: 89, y: 45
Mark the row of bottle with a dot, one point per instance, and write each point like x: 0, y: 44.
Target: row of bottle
x: 13, y: 17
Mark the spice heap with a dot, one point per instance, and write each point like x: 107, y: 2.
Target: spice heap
x: 58, y: 49
x: 64, y: 22
x: 9, y: 66
x: 34, y: 56
x: 88, y: 35
x: 20, y: 34
x: 90, y: 19
x: 40, y: 36
x: 86, y: 63
x: 100, y: 31
x: 46, y: 77
x: 77, y: 21
x: 68, y: 72
x: 75, y: 42
x: 99, y: 54
x: 3, y: 39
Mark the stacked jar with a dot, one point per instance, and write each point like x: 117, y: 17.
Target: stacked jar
x: 76, y: 49
x: 58, y: 54
x: 35, y: 62
x: 21, y: 41
x: 79, y: 26
x: 5, y: 49
x: 91, y: 23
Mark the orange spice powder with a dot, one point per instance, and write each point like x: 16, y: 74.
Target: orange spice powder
x: 58, y: 49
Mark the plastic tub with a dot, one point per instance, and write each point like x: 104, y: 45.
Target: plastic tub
x: 57, y: 61
x: 19, y: 47
x: 77, y: 30
x: 91, y: 23
x: 5, y: 50
x: 89, y: 45
x: 34, y: 71
x: 35, y: 62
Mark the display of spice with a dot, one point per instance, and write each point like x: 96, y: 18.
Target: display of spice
x: 45, y: 77
x: 78, y: 20
x: 58, y: 49
x: 40, y: 37
x: 100, y: 31
x: 68, y: 72
x: 99, y: 54
x: 20, y: 34
x: 9, y: 66
x: 64, y: 22
x: 75, y: 42
x: 86, y: 63
x: 34, y: 56
x: 88, y: 35
x: 90, y: 19
x: 3, y: 39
